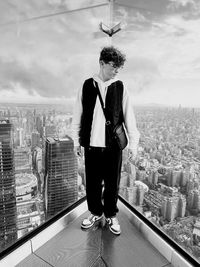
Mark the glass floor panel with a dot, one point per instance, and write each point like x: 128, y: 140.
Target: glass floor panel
x: 97, y: 247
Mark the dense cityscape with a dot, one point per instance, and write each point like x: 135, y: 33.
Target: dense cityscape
x: 164, y: 183
x: 40, y: 175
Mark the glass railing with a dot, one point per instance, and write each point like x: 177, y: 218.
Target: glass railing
x: 163, y: 183
x: 40, y: 177
x: 41, y: 61
x: 47, y: 49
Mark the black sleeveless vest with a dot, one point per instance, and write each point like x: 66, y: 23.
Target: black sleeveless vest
x: 113, y: 106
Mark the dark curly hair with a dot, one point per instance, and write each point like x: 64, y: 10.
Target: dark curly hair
x: 112, y: 54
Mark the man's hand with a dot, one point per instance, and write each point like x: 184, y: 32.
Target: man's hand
x: 77, y: 151
x: 132, y: 153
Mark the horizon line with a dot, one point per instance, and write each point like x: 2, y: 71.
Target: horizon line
x: 135, y: 104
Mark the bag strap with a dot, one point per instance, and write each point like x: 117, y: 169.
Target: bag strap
x: 101, y: 101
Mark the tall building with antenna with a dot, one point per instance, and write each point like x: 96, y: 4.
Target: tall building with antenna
x: 61, y: 175
x: 8, y: 209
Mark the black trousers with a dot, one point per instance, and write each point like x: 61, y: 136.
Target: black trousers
x: 103, y: 170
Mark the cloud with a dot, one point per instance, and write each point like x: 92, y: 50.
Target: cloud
x: 176, y: 4
x: 139, y: 73
x: 173, y: 92
x: 17, y: 94
x: 36, y: 78
x: 49, y: 58
x: 31, y: 79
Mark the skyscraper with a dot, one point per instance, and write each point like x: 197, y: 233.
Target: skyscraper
x: 155, y: 178
x: 176, y: 177
x: 35, y: 139
x: 131, y: 195
x: 61, y: 175
x: 8, y: 209
x: 164, y: 207
x: 140, y: 195
x: 182, y: 206
x: 171, y: 209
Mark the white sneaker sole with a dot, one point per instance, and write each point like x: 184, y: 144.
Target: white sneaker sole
x: 114, y: 232
x: 89, y: 226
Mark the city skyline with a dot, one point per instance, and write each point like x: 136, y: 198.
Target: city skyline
x: 163, y: 184
x: 43, y: 61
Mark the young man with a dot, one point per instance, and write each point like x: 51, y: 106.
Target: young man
x: 102, y: 159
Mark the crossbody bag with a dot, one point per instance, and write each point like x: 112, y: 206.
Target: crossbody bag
x: 116, y: 133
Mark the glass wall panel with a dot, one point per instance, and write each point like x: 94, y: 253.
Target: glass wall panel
x: 47, y: 49
x: 161, y: 40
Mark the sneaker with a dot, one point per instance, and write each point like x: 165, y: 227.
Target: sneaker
x: 90, y: 221
x: 114, y: 226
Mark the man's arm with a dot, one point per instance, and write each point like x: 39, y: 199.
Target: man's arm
x: 130, y: 124
x: 77, y: 112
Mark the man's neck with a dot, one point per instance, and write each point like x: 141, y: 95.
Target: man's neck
x: 101, y: 76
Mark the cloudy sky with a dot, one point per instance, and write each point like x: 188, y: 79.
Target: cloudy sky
x: 49, y: 47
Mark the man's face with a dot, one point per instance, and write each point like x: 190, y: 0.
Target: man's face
x: 109, y: 70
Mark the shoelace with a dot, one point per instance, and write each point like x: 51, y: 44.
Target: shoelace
x: 90, y: 217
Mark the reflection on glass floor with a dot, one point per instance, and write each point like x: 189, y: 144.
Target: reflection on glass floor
x: 97, y: 247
